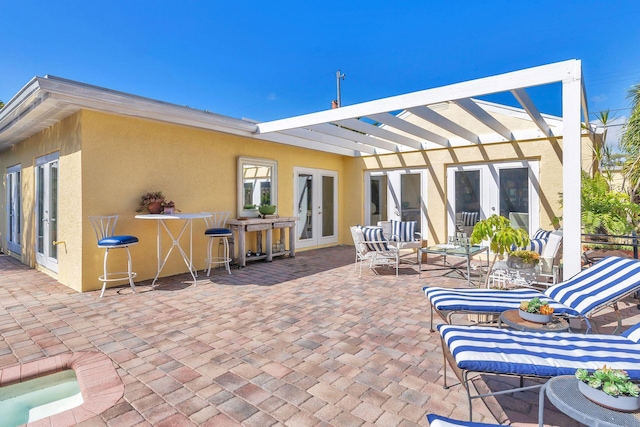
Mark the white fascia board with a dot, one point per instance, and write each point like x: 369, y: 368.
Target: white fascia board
x: 381, y: 133
x: 123, y: 103
x: 305, y: 143
x: 485, y: 118
x: 397, y: 123
x: 347, y: 134
x: 523, y: 98
x: 536, y: 76
x: 321, y: 138
x: 431, y: 116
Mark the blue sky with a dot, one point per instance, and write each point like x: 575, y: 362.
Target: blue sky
x: 269, y: 60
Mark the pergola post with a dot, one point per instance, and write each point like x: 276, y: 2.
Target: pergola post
x: 571, y: 171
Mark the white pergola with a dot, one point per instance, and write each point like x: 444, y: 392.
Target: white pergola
x: 381, y: 127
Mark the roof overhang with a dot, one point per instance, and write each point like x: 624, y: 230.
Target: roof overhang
x: 45, y: 101
x: 414, y: 121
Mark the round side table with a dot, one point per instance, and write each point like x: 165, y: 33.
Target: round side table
x: 564, y: 394
x: 512, y: 319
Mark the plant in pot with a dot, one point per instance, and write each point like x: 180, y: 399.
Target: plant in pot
x: 523, y: 259
x: 152, y: 201
x: 536, y: 310
x: 267, y: 209
x: 609, y: 387
x: 501, y: 236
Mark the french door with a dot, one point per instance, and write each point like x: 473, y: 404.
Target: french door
x: 316, y: 205
x: 396, y: 194
x: 46, y: 214
x: 14, y: 208
x: 507, y: 189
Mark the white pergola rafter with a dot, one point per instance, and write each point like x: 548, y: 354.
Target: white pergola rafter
x: 470, y: 106
x: 439, y: 120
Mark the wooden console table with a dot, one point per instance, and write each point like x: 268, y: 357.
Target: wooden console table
x: 242, y: 226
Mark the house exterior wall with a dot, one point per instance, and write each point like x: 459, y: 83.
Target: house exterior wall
x: 436, y: 162
x: 108, y: 161
x: 63, y: 137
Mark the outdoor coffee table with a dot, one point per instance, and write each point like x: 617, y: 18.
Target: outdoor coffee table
x: 453, y: 250
x: 563, y: 393
x: 512, y: 319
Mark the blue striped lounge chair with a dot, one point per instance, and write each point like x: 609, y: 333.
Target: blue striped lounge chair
x: 438, y: 421
x: 603, y: 284
x: 489, y: 350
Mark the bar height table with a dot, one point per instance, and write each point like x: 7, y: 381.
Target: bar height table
x: 175, y: 241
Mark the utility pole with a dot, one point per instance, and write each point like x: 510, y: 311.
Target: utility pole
x: 339, y: 76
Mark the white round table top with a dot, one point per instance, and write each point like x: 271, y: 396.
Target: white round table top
x: 174, y: 216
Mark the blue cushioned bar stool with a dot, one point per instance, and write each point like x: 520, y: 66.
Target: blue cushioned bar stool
x: 104, y: 227
x: 216, y: 230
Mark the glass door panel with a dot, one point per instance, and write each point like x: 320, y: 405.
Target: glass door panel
x: 410, y: 198
x: 316, y: 205
x: 328, y: 211
x: 14, y: 209
x: 47, y: 211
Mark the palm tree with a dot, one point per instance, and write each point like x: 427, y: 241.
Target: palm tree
x: 630, y: 142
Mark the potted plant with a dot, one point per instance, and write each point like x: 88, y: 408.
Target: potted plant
x: 523, y: 259
x: 536, y: 311
x: 267, y: 209
x: 152, y: 201
x: 501, y: 236
x: 610, y: 388
x: 169, y: 208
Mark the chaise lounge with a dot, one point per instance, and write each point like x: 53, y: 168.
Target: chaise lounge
x: 602, y: 285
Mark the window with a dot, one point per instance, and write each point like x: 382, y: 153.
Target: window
x: 257, y: 184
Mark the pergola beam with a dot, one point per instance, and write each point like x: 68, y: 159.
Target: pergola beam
x: 361, y: 126
x: 523, y: 98
x: 407, y: 127
x: 485, y: 118
x: 431, y: 116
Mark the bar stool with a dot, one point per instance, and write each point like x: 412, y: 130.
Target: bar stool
x: 216, y: 230
x: 104, y: 227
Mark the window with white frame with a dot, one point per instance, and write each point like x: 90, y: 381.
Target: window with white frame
x: 14, y: 203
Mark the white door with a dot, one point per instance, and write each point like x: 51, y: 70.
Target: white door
x: 400, y: 195
x: 14, y: 209
x: 316, y: 205
x: 46, y: 214
x: 509, y: 189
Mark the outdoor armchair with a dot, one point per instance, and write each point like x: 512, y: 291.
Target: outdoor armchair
x: 603, y: 284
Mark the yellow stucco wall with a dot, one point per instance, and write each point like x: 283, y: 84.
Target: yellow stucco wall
x: 108, y: 161
x: 437, y: 161
x: 64, y: 138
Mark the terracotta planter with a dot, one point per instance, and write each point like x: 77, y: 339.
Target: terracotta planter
x: 618, y: 403
x: 154, y: 207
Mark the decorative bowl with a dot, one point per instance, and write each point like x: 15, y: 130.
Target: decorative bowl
x: 267, y: 209
x: 518, y: 263
x: 618, y: 403
x: 535, y: 317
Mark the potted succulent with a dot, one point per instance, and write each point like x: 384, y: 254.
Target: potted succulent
x: 523, y: 259
x: 536, y: 311
x: 610, y: 388
x: 152, y: 201
x: 169, y: 208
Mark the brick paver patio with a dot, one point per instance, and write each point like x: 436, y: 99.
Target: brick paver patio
x: 296, y: 342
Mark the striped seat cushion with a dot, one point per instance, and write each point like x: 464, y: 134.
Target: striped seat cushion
x: 602, y: 284
x: 503, y: 351
x: 487, y: 300
x: 403, y: 231
x: 541, y: 234
x: 374, y: 239
x: 469, y: 218
x: 439, y: 421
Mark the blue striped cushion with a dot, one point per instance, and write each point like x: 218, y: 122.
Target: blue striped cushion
x: 487, y: 300
x: 633, y: 333
x: 374, y: 239
x: 438, y: 421
x: 403, y: 231
x: 603, y: 283
x: 606, y: 281
x: 541, y: 234
x: 469, y: 218
x: 117, y: 241
x: 489, y: 349
x: 218, y: 232
x: 536, y: 245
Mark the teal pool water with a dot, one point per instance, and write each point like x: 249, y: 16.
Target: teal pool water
x: 39, y: 398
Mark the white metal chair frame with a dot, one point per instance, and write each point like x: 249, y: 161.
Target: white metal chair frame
x: 390, y: 257
x: 218, y: 220
x: 104, y: 227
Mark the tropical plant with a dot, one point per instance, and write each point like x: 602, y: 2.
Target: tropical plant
x: 614, y: 382
x: 630, y: 142
x: 501, y: 236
